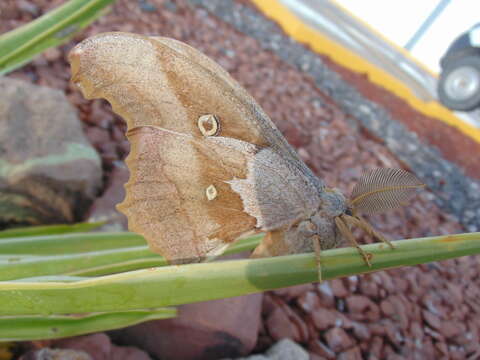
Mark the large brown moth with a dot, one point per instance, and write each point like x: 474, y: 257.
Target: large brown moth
x: 207, y: 165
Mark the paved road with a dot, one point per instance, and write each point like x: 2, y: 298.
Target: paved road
x: 325, y: 16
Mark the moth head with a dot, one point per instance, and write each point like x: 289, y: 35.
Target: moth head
x: 333, y: 203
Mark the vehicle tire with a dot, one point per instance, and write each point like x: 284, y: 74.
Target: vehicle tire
x: 459, y: 84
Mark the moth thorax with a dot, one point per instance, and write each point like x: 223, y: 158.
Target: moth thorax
x: 209, y: 125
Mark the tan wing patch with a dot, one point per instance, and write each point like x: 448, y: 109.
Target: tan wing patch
x: 275, y: 192
x: 166, y: 200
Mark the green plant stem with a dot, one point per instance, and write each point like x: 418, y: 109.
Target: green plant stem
x: 23, y: 328
x: 69, y: 243
x: 48, y: 230
x: 57, y: 26
x: 175, y: 285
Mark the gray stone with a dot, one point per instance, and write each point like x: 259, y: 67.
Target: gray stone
x: 56, y: 354
x: 284, y: 349
x: 49, y: 172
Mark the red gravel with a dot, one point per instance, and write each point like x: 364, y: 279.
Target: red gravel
x: 417, y: 312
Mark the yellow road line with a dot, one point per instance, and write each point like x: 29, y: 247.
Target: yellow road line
x: 321, y: 44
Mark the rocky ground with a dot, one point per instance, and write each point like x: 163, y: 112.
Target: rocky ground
x: 428, y: 311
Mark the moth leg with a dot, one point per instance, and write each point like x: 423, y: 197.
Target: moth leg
x: 345, y: 231
x: 363, y: 224
x: 318, y: 250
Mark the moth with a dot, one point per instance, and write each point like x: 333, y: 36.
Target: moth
x: 207, y: 165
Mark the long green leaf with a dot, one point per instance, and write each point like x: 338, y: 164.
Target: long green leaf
x: 90, y: 254
x: 69, y: 243
x: 54, y: 28
x: 21, y: 266
x: 48, y: 230
x: 175, y: 285
x: 57, y: 326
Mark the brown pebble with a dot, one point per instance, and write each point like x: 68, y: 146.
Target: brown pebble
x: 432, y: 320
x: 387, y: 307
x: 362, y: 308
x: 314, y: 356
x: 351, y: 354
x: 279, y: 326
x: 369, y: 288
x: 325, y: 294
x: 361, y: 331
x: 321, y: 349
x: 338, y: 288
x: 338, y: 340
x: 416, y: 331
x: 324, y: 319
x: 451, y: 329
x: 293, y: 292
x: 376, y: 348
x: 308, y: 301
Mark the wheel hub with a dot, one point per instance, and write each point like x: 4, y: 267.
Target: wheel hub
x: 462, y: 83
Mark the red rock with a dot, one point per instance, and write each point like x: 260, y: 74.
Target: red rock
x: 299, y: 323
x: 314, y: 356
x: 206, y: 330
x: 362, y: 308
x: 279, y: 326
x: 352, y: 282
x: 103, y: 208
x: 432, y: 320
x: 338, y: 340
x: 128, y: 353
x: 376, y: 348
x: 321, y: 349
x: 97, y: 136
x: 455, y: 294
x: 394, y: 356
x: 388, y: 352
x: 369, y: 288
x: 416, y: 331
x: 324, y: 319
x: 432, y: 333
x: 428, y: 349
x: 268, y: 304
x: 456, y: 353
x: 386, y: 282
x: 361, y: 331
x: 394, y: 333
x: 98, y: 345
x: 338, y: 288
x: 351, y: 354
x: 400, y: 304
x: 443, y: 348
x: 293, y: 292
x: 451, y: 329
x: 325, y: 294
x: 377, y: 329
x: 387, y: 307
x: 308, y: 301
